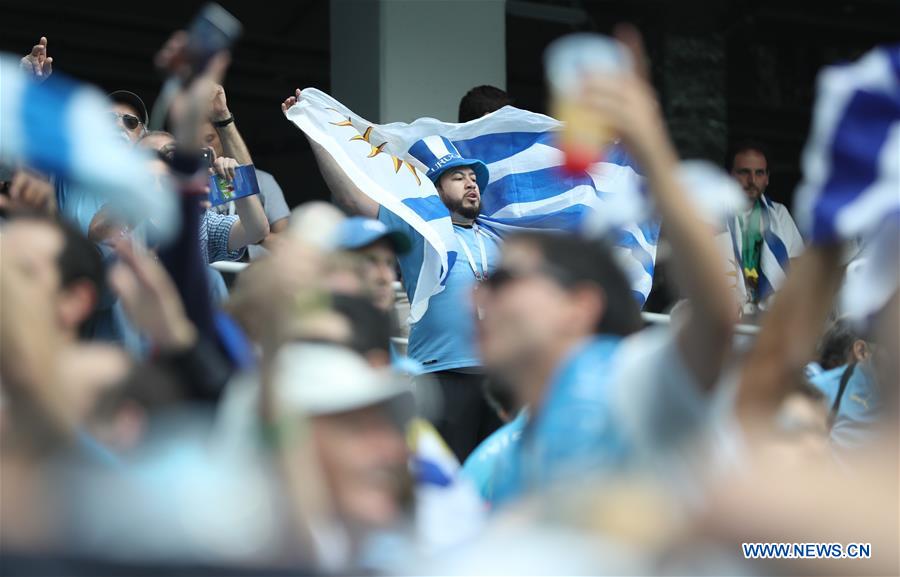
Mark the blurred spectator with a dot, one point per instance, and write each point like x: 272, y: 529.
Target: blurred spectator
x: 62, y: 259
x: 378, y: 246
x: 558, y: 309
x: 25, y: 190
x: 336, y: 417
x: 498, y: 447
x: 370, y: 328
x: 841, y: 345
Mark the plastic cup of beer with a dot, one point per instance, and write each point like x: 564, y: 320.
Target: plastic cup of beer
x: 568, y: 61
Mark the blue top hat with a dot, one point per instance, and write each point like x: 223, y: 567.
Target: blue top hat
x: 439, y: 155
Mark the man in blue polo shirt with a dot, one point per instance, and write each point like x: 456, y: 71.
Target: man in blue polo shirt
x: 443, y: 341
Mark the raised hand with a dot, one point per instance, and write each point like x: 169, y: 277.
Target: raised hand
x: 37, y: 63
x: 219, y: 104
x: 193, y: 104
x: 224, y: 167
x: 29, y: 191
x: 151, y: 300
x: 290, y: 101
x: 106, y: 227
x: 626, y: 103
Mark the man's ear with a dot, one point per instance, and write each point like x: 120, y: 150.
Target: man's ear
x: 77, y: 303
x: 590, y: 306
x: 860, y: 350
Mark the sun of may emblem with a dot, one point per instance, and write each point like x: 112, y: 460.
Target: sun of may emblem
x: 378, y: 149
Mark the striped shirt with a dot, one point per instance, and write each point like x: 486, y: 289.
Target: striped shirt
x: 215, y: 229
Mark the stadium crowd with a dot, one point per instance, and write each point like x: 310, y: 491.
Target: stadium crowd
x: 155, y: 419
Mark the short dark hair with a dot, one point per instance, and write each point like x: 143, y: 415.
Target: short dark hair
x: 481, y: 100
x: 79, y: 258
x: 591, y: 261
x: 745, y: 145
x: 836, y: 344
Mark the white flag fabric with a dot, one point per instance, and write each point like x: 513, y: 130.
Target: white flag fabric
x: 526, y: 191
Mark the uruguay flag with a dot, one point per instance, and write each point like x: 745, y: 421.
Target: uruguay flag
x: 851, y: 174
x: 527, y: 190
x: 64, y: 128
x: 851, y: 162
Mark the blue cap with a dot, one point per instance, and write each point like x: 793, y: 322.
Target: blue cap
x: 358, y: 232
x: 438, y: 155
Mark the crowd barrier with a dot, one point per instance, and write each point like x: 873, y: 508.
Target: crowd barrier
x: 649, y: 318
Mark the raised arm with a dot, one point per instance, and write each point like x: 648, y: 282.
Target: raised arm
x: 233, y: 144
x: 253, y: 226
x: 790, y: 331
x: 346, y: 194
x: 626, y: 104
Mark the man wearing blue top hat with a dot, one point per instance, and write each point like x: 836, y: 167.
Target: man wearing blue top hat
x: 443, y: 341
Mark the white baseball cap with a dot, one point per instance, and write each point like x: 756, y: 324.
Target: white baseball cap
x: 321, y: 379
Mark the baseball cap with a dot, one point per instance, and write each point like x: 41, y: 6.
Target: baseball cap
x: 323, y: 379
x: 317, y: 223
x: 357, y: 232
x: 133, y: 100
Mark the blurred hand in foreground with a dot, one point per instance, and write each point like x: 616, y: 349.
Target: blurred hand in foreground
x: 194, y: 102
x: 151, y: 300
x: 29, y: 191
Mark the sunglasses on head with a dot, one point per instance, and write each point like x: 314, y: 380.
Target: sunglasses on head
x: 130, y: 121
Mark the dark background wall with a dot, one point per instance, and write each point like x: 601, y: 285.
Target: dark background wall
x: 724, y: 69
x: 285, y: 45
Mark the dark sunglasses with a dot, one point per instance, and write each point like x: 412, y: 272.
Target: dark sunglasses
x: 502, y: 276
x: 129, y: 120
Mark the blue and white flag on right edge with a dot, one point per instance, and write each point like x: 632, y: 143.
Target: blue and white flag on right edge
x: 851, y: 163
x: 526, y: 188
x: 851, y: 175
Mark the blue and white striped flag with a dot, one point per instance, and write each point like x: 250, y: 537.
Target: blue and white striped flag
x: 527, y: 190
x: 851, y: 163
x: 777, y: 248
x: 64, y: 128
x: 851, y: 175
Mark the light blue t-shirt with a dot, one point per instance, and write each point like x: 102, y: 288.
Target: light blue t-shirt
x: 612, y: 403
x: 444, y: 338
x: 481, y: 465
x: 860, y: 407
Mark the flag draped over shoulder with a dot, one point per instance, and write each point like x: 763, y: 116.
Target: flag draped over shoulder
x: 774, y: 255
x: 527, y: 190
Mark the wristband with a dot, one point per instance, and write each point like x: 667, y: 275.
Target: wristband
x: 223, y: 123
